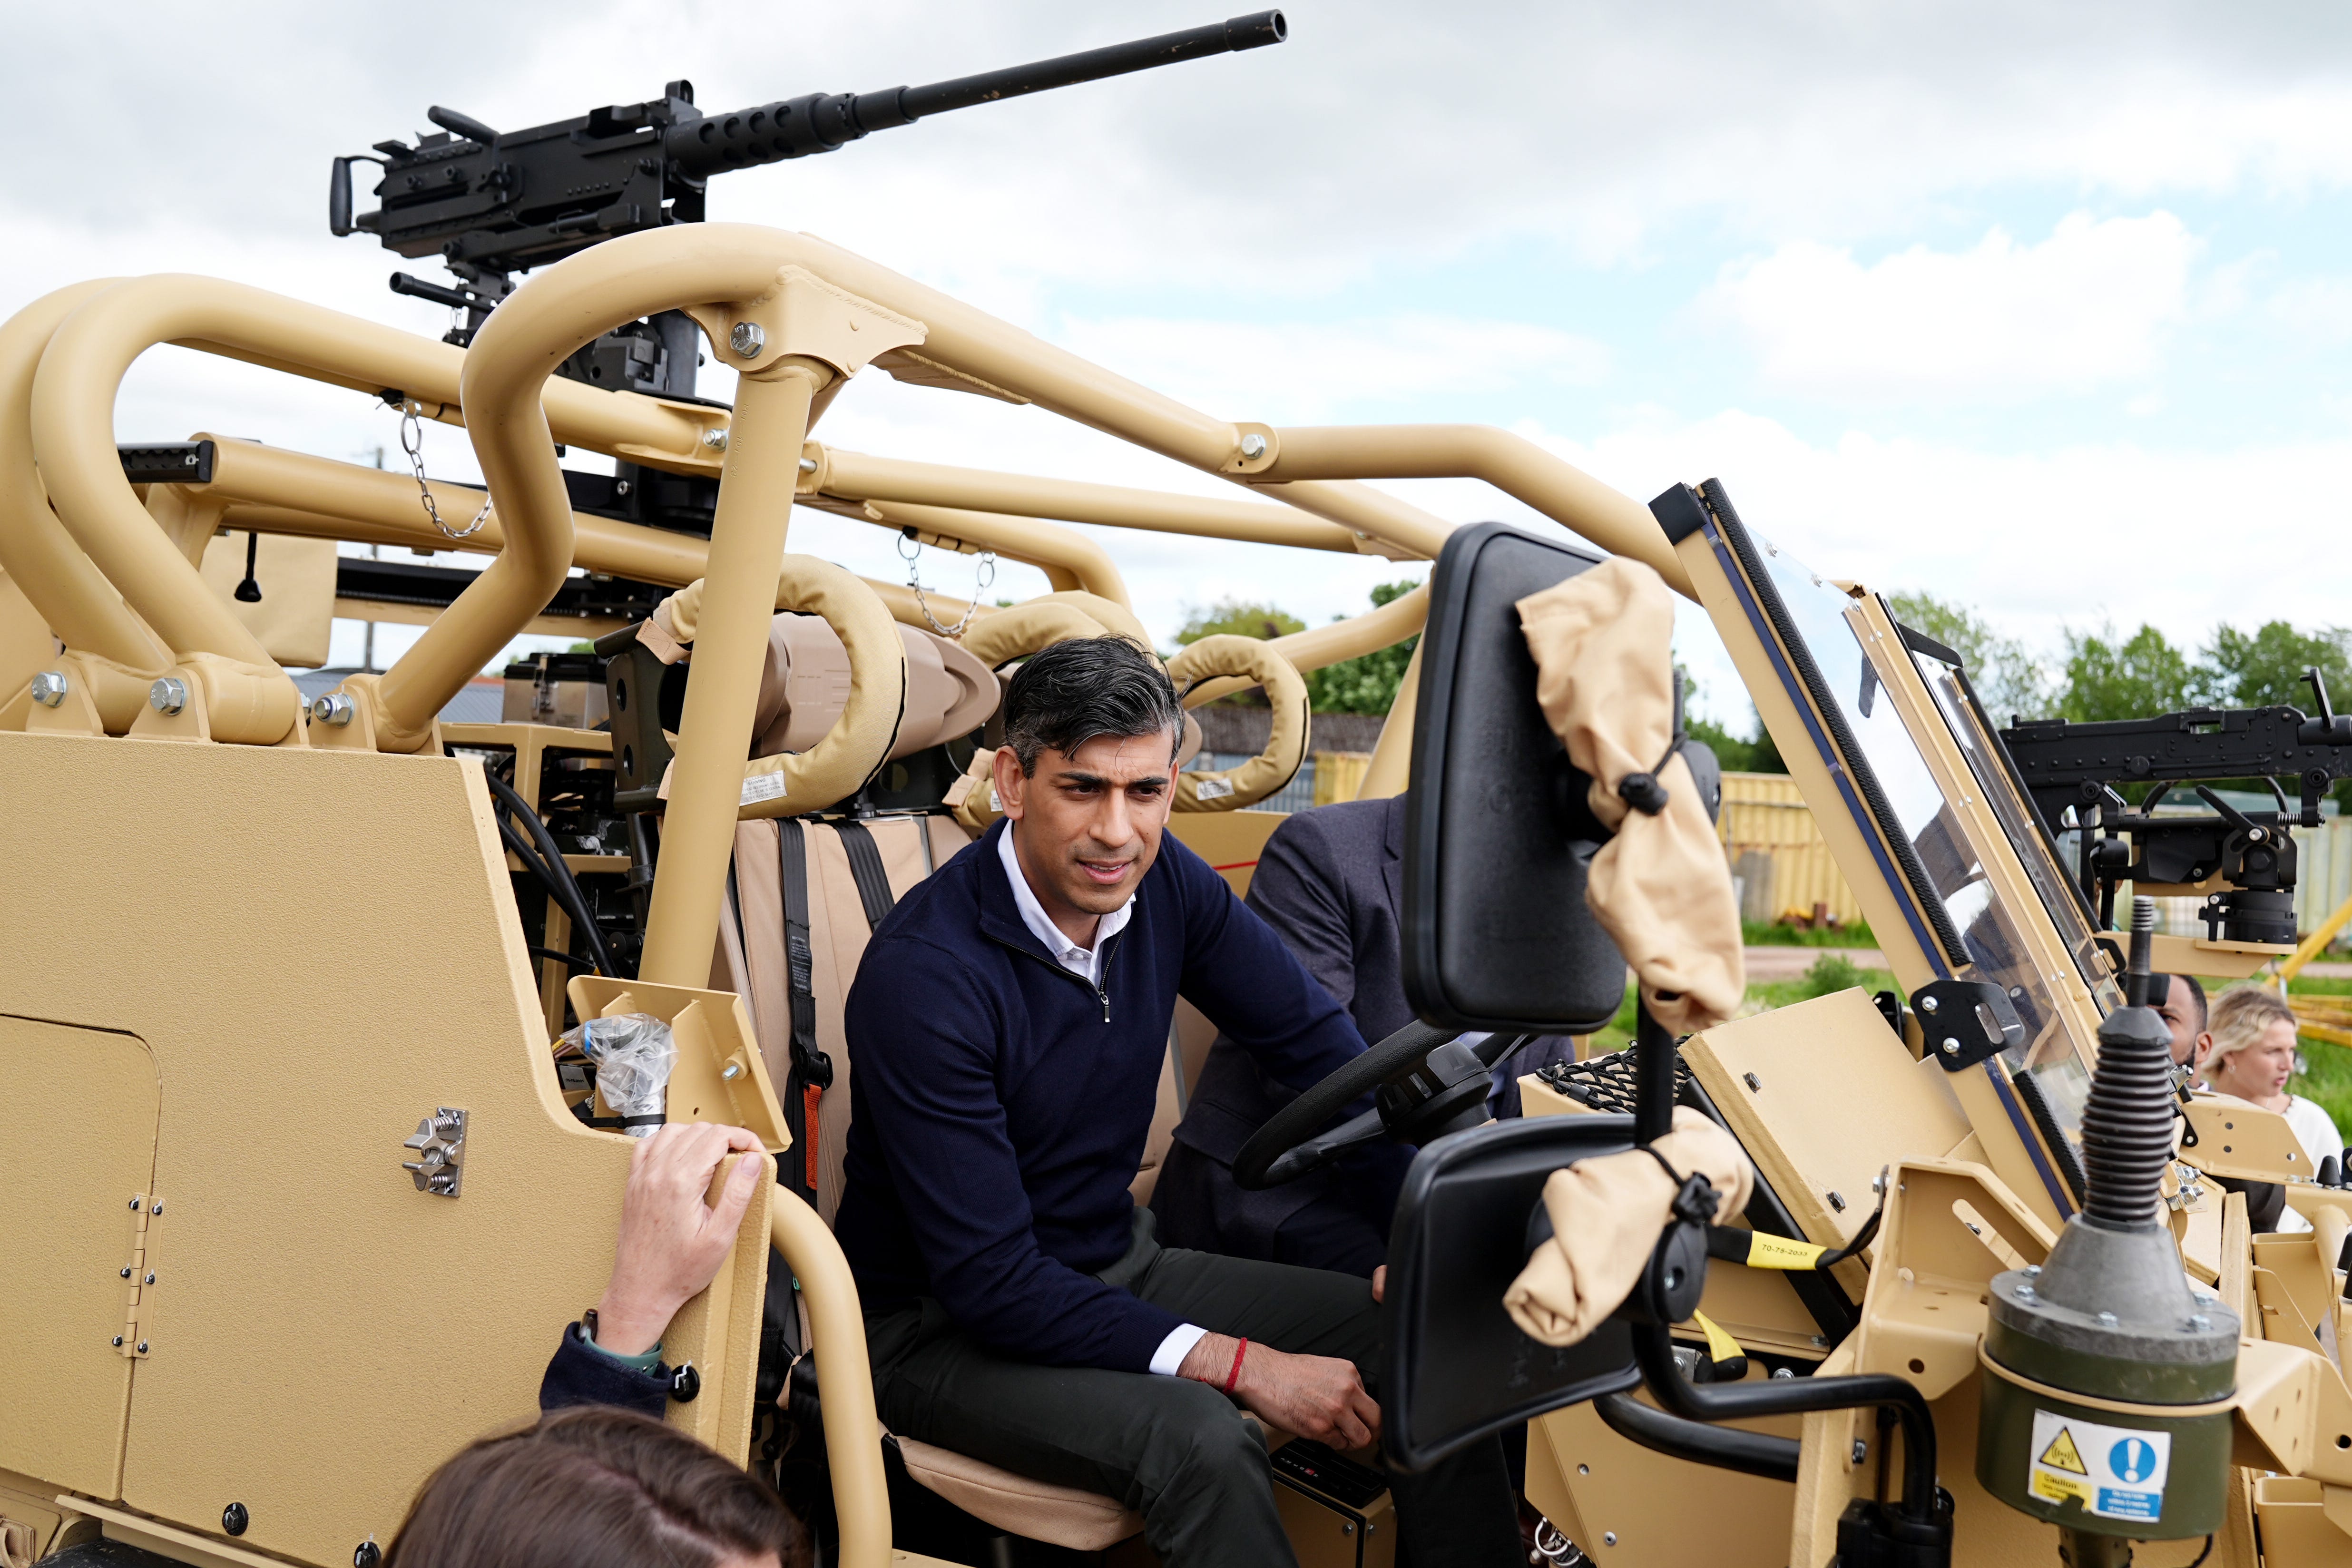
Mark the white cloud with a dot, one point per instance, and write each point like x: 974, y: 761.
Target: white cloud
x: 2000, y: 321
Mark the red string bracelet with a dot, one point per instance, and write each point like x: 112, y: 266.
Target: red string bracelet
x: 1235, y: 1376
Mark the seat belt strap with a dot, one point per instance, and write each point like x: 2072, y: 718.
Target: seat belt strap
x: 866, y: 871
x: 811, y: 1065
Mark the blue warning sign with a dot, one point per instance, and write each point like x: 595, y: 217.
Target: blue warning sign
x: 2133, y: 1459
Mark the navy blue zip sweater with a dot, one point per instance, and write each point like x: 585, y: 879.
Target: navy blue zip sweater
x: 999, y: 1103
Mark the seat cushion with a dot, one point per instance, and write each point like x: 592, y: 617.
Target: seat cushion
x: 1039, y: 1511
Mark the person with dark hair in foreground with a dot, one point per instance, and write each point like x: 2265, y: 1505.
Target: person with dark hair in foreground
x: 1007, y: 1028
x: 595, y: 1487
x: 600, y: 1480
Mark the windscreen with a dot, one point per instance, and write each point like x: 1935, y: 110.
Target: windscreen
x: 1933, y: 854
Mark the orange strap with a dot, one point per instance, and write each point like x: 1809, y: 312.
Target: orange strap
x: 810, y: 1096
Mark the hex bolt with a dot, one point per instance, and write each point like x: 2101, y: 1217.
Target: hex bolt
x: 1837, y: 1201
x: 1861, y: 1450
x: 134, y: 1206
x: 143, y: 1347
x: 367, y: 1554
x: 50, y: 687
x: 1755, y: 1085
x: 714, y: 438
x: 333, y: 708
x: 747, y: 339
x: 2025, y: 1292
x: 151, y: 1277
x: 234, y: 1519
x: 1783, y: 1372
x: 2199, y: 1324
x: 2108, y: 1320
x: 126, y: 1272
x: 1951, y: 1046
x: 155, y: 1207
x: 1926, y: 1003
x: 118, y: 1341
x: 1253, y: 446
x: 168, y: 696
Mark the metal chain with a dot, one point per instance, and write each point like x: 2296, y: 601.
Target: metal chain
x: 910, y: 550
x: 412, y: 441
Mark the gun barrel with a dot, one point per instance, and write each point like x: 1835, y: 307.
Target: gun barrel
x: 1092, y: 65
x: 819, y: 122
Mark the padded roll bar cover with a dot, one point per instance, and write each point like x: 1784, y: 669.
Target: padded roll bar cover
x: 1498, y: 836
x: 1458, y: 1368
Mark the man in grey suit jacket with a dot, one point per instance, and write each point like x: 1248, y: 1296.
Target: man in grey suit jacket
x: 1331, y: 883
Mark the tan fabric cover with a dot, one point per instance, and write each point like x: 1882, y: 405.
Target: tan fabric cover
x: 1285, y: 745
x: 1607, y: 1215
x: 973, y: 796
x: 1112, y: 616
x: 1064, y: 1516
x: 806, y: 684
x: 1020, y: 630
x: 1603, y: 647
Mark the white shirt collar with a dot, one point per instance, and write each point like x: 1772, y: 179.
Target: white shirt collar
x: 1085, y: 964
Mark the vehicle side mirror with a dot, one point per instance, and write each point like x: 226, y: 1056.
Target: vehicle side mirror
x: 1458, y: 1367
x: 1498, y: 836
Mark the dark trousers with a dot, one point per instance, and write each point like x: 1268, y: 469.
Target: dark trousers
x: 1175, y: 1451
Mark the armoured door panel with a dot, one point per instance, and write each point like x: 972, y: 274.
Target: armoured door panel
x: 328, y: 952
x: 83, y: 1104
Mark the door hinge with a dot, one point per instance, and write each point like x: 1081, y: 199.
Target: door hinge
x: 139, y: 1274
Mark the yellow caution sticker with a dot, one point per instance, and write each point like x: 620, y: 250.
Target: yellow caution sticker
x: 2061, y: 1454
x: 2110, y: 1472
x: 1780, y: 1252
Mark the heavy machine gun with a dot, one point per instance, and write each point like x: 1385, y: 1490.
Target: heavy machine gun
x: 491, y: 203
x: 2242, y: 862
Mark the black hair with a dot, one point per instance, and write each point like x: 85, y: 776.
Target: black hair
x: 2196, y: 995
x: 1082, y: 688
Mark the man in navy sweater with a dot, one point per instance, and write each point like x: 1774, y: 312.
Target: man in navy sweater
x: 1005, y: 1032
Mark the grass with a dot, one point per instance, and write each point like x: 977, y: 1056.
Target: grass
x: 1855, y: 935
x: 1830, y: 972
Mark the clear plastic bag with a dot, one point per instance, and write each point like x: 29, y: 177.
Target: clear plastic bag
x: 634, y: 1054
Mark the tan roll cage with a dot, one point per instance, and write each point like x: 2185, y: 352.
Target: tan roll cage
x: 796, y: 318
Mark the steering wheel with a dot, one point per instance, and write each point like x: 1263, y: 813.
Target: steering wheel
x: 1428, y: 1085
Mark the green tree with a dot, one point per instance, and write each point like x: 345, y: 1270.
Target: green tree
x: 2133, y: 677
x: 2263, y: 667
x: 1755, y: 753
x: 1236, y: 617
x: 2008, y: 678
x: 1239, y: 618
x: 1367, y: 684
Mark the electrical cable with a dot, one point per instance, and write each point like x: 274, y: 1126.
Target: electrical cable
x: 554, y: 873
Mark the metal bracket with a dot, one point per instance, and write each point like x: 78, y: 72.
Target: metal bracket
x: 1966, y: 1020
x: 440, y: 1145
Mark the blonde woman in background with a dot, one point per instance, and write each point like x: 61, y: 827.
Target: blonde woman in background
x: 2253, y: 1056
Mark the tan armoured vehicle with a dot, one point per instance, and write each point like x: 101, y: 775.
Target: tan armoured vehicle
x: 302, y: 1185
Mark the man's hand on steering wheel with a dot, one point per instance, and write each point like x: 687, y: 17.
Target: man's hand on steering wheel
x: 1316, y: 1396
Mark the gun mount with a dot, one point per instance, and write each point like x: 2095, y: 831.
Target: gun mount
x: 492, y: 203
x: 2082, y: 768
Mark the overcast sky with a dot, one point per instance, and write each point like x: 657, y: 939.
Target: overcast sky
x: 2040, y: 308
